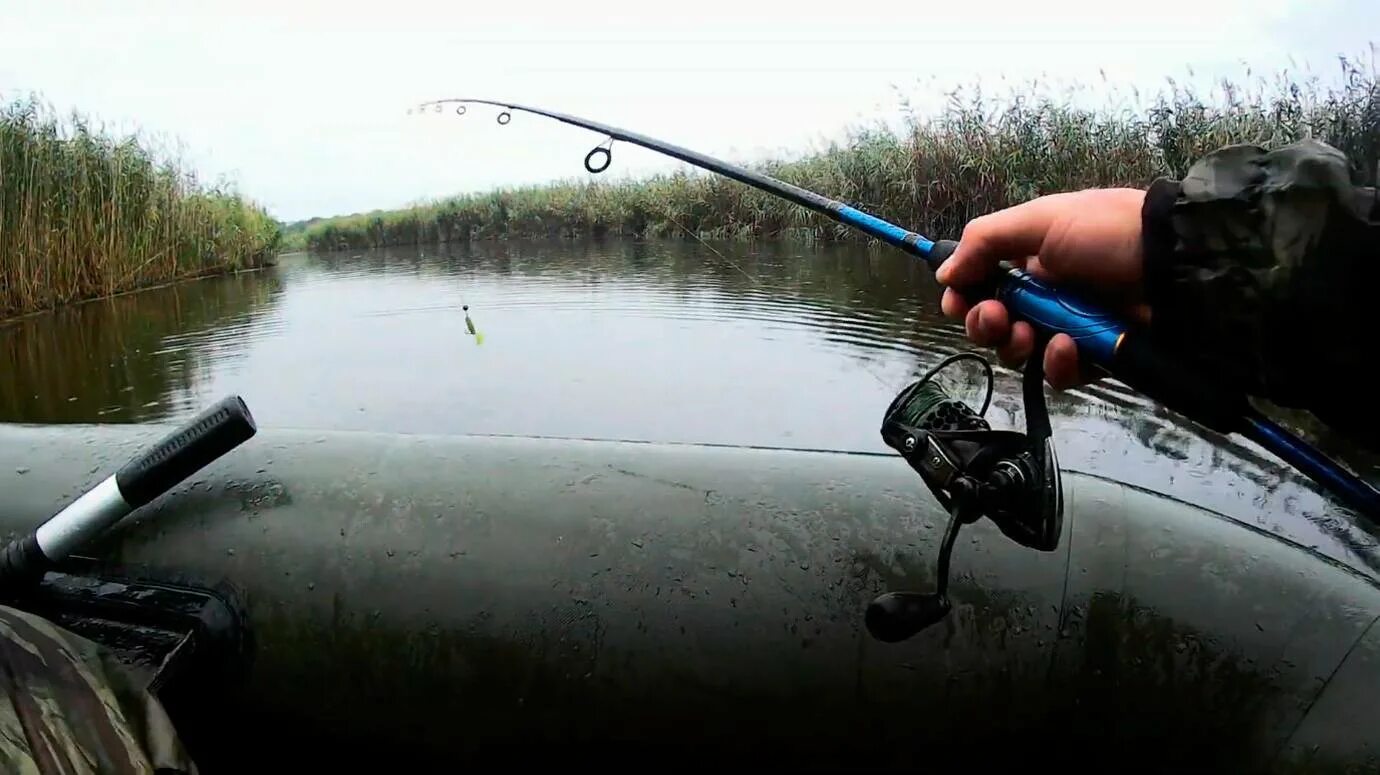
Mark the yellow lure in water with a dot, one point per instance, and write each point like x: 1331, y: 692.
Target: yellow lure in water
x: 470, y: 329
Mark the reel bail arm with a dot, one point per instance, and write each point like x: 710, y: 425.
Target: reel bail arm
x: 1011, y: 478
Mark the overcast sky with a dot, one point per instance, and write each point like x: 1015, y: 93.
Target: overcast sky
x: 303, y: 104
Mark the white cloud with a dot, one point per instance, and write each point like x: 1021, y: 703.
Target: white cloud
x: 304, y: 106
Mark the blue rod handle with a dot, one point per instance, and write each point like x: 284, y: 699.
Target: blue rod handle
x: 1132, y: 356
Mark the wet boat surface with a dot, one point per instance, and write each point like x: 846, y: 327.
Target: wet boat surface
x: 422, y: 598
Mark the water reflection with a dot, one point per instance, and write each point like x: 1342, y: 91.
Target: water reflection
x: 132, y: 358
x: 767, y: 345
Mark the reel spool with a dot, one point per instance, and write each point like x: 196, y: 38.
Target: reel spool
x: 973, y: 471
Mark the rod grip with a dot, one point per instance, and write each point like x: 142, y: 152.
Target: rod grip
x: 1187, y: 389
x: 940, y: 253
x: 217, y: 430
x: 22, y: 563
x: 1128, y: 354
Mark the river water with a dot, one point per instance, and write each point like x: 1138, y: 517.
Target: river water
x: 763, y: 345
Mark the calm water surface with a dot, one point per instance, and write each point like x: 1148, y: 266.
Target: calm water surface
x: 735, y: 344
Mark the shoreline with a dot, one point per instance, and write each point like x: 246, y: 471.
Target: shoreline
x: 933, y: 175
x: 7, y: 321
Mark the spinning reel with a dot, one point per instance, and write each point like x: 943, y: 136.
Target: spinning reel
x: 1010, y: 477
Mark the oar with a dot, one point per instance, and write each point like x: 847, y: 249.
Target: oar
x: 151, y: 473
x: 1117, y: 348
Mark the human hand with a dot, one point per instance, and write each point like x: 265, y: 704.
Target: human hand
x: 1087, y: 241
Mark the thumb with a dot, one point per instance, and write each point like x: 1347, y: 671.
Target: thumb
x: 1013, y: 233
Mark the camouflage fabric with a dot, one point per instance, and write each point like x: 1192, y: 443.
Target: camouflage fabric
x: 1264, y: 266
x: 71, y: 708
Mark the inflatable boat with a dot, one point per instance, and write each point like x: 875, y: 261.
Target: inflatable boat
x: 355, y: 599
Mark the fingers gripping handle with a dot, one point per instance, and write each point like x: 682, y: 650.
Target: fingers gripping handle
x: 153, y: 472
x: 1107, y: 342
x: 1050, y: 310
x: 1135, y: 357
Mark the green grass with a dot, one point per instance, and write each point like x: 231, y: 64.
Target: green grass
x: 86, y: 214
x: 933, y: 175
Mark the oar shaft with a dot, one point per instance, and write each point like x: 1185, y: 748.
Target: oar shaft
x: 198, y: 442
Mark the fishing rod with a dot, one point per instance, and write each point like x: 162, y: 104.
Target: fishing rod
x: 1111, y: 345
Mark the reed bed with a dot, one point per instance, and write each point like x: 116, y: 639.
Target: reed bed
x: 932, y: 174
x: 85, y: 213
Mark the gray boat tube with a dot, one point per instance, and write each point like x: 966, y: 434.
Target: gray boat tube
x: 417, y: 598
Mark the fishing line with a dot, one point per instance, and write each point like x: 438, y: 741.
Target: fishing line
x: 759, y: 285
x: 1120, y: 349
x: 721, y: 256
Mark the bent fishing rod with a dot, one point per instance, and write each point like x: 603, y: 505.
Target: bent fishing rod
x: 1116, y: 348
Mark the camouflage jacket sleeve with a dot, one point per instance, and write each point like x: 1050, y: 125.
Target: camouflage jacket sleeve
x: 1264, y: 267
x: 68, y: 707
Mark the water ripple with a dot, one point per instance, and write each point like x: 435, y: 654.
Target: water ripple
x: 648, y: 341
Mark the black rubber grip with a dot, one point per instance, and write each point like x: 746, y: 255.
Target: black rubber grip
x: 187, y: 450
x: 896, y: 616
x: 941, y: 252
x: 973, y: 293
x: 1187, y: 389
x: 22, y: 564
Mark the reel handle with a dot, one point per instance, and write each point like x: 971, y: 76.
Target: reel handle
x: 896, y: 616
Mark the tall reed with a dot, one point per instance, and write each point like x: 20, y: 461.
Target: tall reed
x: 85, y: 214
x: 934, y: 174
